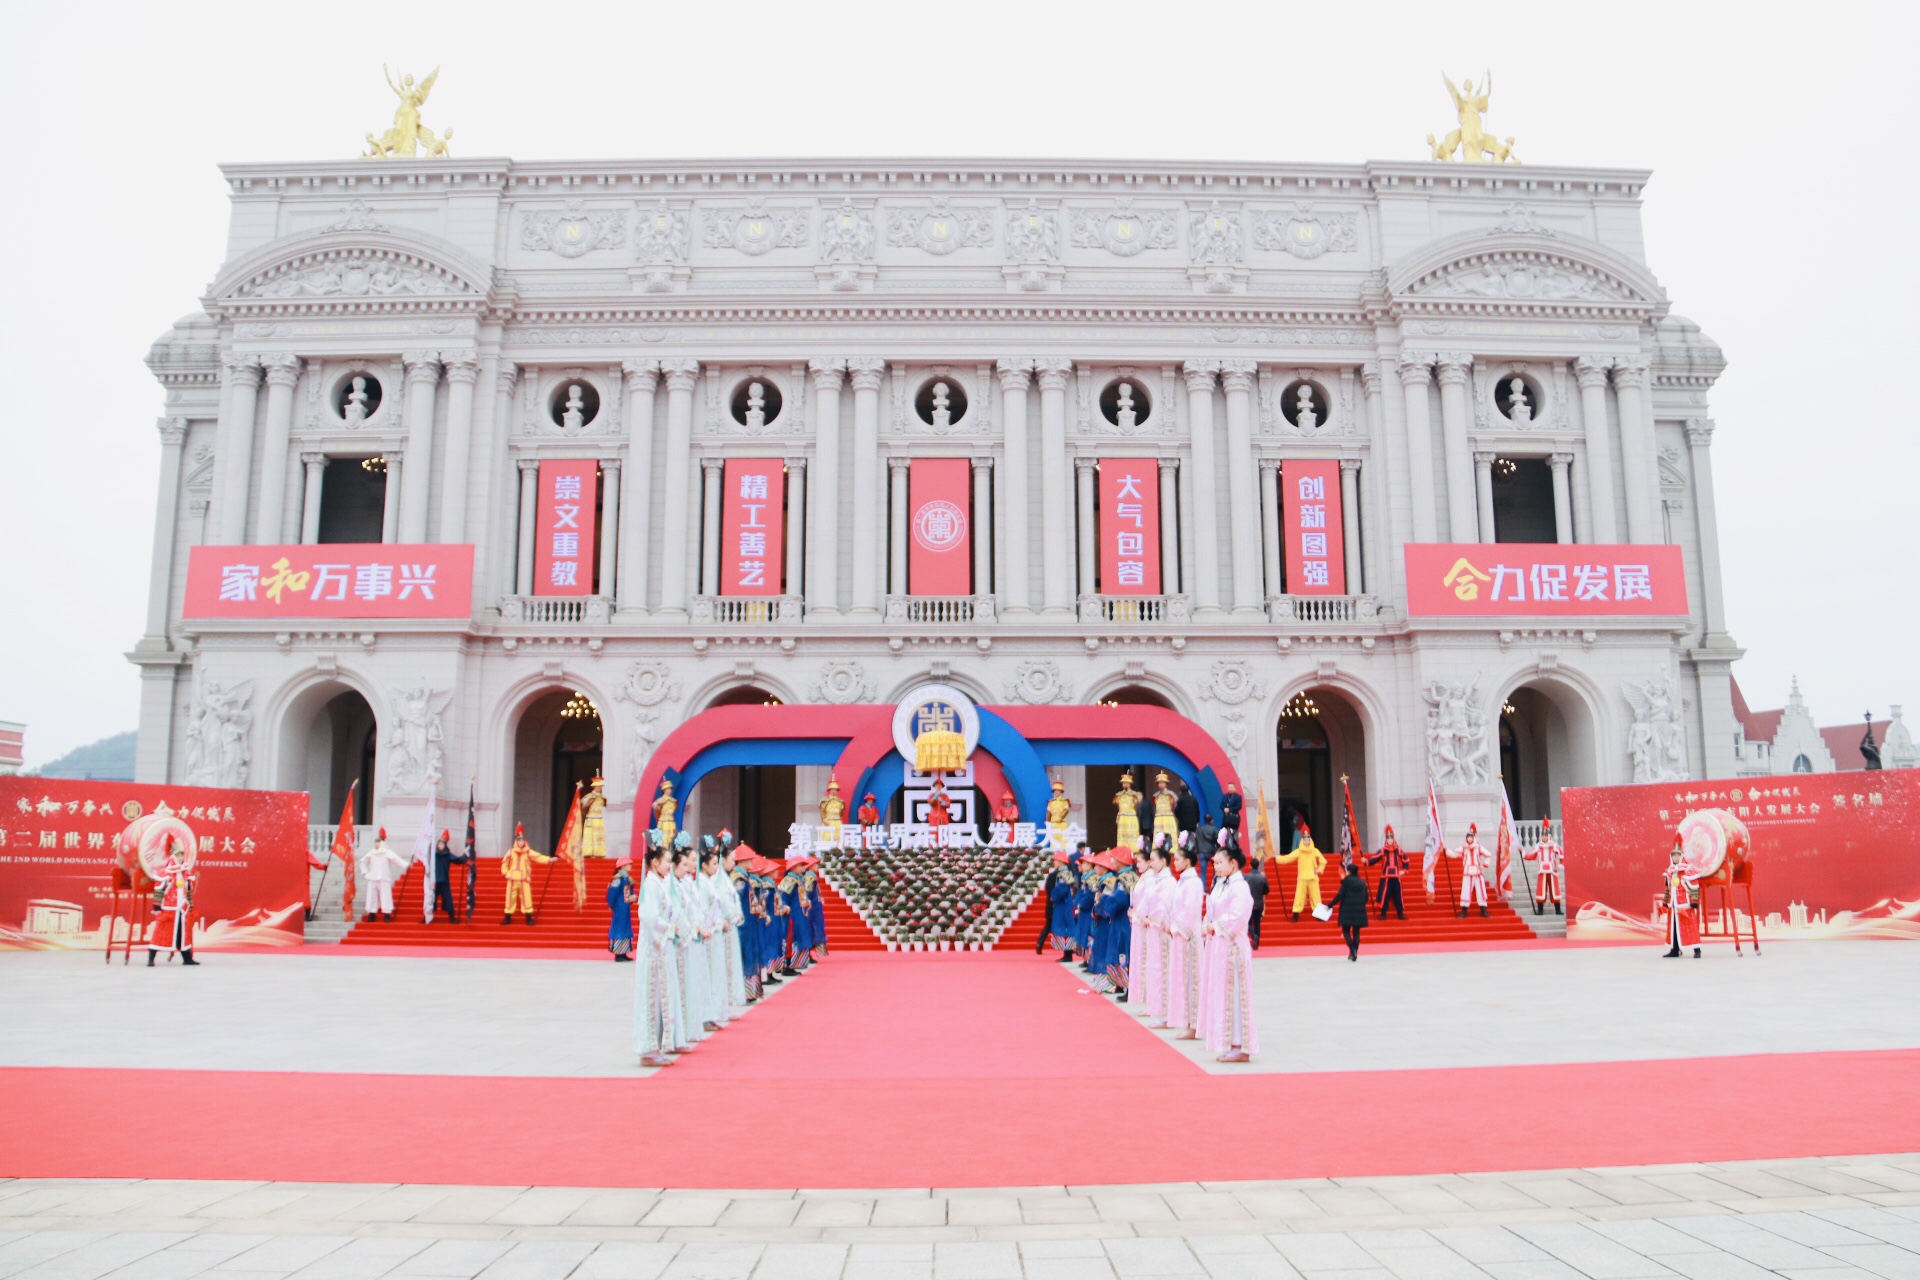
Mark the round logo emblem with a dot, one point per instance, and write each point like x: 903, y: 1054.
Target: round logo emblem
x: 934, y: 708
x: 939, y: 526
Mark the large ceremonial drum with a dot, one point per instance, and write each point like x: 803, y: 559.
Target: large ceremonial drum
x: 1712, y: 840
x: 141, y: 850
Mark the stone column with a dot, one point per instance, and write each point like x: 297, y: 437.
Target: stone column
x: 869, y: 499
x: 1638, y: 455
x: 234, y: 458
x: 897, y: 526
x: 1056, y: 500
x: 1455, y: 370
x: 823, y: 537
x: 1378, y: 526
x: 1562, y: 498
x: 636, y: 497
x: 1169, y: 526
x: 796, y: 532
x: 609, y: 527
x: 1592, y: 374
x: 390, y: 507
x: 528, y: 524
x: 283, y: 373
x: 1270, y: 526
x: 502, y: 534
x: 463, y: 371
x: 711, y: 474
x: 1415, y: 379
x: 423, y: 377
x: 1088, y: 539
x: 166, y: 515
x: 1483, y: 489
x: 1243, y: 504
x: 682, y: 376
x: 1350, y: 525
x: 315, y: 467
x: 1206, y: 528
x: 1699, y: 452
x: 1015, y: 376
x: 982, y: 526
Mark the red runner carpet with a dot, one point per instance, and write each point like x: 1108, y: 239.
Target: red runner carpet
x: 942, y: 1070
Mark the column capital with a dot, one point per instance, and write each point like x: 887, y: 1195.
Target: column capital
x: 1484, y: 457
x: 1372, y: 379
x: 1416, y: 368
x: 1699, y: 432
x: 525, y: 464
x: 506, y: 375
x: 242, y: 369
x: 712, y: 464
x: 173, y: 431
x: 1591, y: 371
x: 1053, y: 373
x: 641, y: 375
x: 1455, y: 368
x: 867, y: 373
x: 1237, y: 375
x: 1168, y: 464
x: 1267, y: 465
x: 1559, y: 461
x: 282, y: 370
x: 681, y: 375
x: 827, y: 374
x: 797, y: 463
x: 1200, y: 374
x: 898, y: 464
x: 1086, y: 464
x: 421, y: 365
x: 981, y: 463
x: 1630, y: 371
x: 609, y: 464
x: 312, y: 460
x: 462, y: 366
x: 1015, y: 374
x: 1349, y: 466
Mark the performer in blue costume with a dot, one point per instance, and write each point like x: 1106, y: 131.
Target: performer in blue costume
x: 1099, y: 881
x: 1115, y: 903
x: 621, y: 896
x: 817, y: 913
x: 1060, y: 908
x: 1083, y: 909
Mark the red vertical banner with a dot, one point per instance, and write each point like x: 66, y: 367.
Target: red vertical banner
x: 939, y: 529
x: 1316, y: 545
x: 751, y: 541
x: 563, y: 551
x: 1129, y: 527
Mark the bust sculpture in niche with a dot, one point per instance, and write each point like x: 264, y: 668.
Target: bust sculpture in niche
x: 573, y: 419
x: 942, y: 413
x: 1304, y: 417
x: 1519, y: 410
x: 1123, y: 415
x: 355, y: 411
x: 756, y: 405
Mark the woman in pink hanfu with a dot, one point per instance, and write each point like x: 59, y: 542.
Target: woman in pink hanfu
x: 1181, y: 913
x: 1226, y: 991
x: 1143, y: 946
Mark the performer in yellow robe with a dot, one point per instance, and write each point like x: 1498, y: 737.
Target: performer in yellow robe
x: 1057, y: 810
x: 593, y: 820
x: 663, y: 810
x: 1164, y: 823
x: 832, y: 810
x: 1311, y: 862
x: 1126, y: 804
x: 517, y: 867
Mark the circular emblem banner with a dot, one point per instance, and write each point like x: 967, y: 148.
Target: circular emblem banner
x: 939, y: 526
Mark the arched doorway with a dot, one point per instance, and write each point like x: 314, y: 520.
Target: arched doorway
x: 757, y: 802
x: 1546, y: 743
x: 1103, y: 780
x: 559, y: 742
x: 329, y: 741
x: 1320, y: 740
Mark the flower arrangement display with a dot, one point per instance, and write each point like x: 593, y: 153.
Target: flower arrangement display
x: 936, y: 899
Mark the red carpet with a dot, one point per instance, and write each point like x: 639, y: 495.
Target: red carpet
x: 1436, y: 921
x: 974, y: 1071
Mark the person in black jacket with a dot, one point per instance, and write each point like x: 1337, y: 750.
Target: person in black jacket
x: 1256, y: 877
x: 1046, y: 909
x: 1350, y: 910
x: 1230, y: 804
x: 1186, y: 810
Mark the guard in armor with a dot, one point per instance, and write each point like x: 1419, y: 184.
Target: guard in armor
x: 517, y: 869
x: 1473, y: 871
x: 1547, y: 858
x: 1392, y: 861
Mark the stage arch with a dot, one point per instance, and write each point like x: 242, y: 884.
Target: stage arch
x: 1548, y: 737
x: 327, y: 737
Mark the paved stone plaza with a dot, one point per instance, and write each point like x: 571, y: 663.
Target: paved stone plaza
x: 1802, y: 1219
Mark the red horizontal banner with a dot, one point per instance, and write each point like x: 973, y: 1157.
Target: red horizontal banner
x: 331, y: 580
x: 1543, y: 579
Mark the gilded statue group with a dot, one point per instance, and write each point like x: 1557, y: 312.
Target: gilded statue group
x: 1471, y: 140
x: 408, y: 136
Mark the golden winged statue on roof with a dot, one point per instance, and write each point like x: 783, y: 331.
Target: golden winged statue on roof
x: 408, y: 136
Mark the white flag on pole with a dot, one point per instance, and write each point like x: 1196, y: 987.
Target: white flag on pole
x: 423, y: 854
x: 1436, y: 842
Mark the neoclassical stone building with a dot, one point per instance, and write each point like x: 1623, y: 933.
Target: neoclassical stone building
x: 1149, y: 384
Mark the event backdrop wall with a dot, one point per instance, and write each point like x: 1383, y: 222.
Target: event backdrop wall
x: 1835, y: 854
x: 56, y: 860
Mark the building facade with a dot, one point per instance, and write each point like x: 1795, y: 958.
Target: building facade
x: 821, y: 431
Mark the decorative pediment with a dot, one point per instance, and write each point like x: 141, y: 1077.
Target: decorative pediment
x: 353, y: 266
x: 1522, y: 268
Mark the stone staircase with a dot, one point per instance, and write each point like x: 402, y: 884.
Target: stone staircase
x: 329, y: 925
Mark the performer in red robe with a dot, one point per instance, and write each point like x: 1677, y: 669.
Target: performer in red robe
x: 1683, y: 921
x: 173, y: 909
x: 869, y: 813
x: 1392, y: 862
x: 938, y: 813
x: 1009, y: 810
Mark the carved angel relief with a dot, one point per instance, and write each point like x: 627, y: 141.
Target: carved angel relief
x: 355, y: 275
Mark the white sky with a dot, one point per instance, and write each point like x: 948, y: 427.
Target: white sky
x: 1780, y: 217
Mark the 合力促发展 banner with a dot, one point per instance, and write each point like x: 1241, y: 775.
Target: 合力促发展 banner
x: 1545, y: 579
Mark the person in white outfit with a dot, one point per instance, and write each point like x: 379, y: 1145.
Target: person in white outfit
x: 378, y: 867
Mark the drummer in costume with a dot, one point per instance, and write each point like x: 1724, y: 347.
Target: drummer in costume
x: 172, y: 929
x: 1682, y: 903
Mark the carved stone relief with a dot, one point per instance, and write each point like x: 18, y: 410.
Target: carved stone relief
x: 1125, y: 229
x: 940, y: 228
x: 356, y: 275
x: 1656, y: 741
x: 416, y: 745
x: 841, y: 683
x: 755, y: 229
x: 573, y: 231
x: 1038, y: 682
x: 1304, y: 232
x: 219, y: 734
x: 1457, y: 745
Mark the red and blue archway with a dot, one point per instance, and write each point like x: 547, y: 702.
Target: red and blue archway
x: 857, y: 741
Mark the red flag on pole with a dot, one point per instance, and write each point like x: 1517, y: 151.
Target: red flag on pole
x: 1353, y: 827
x: 343, y: 846
x: 569, y: 850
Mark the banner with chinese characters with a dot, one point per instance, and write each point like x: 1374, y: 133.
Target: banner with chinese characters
x: 1316, y: 552
x: 1129, y: 527
x: 331, y: 580
x: 752, y: 549
x: 939, y: 555
x: 56, y: 862
x: 1832, y: 853
x: 564, y: 542
x: 1555, y: 580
